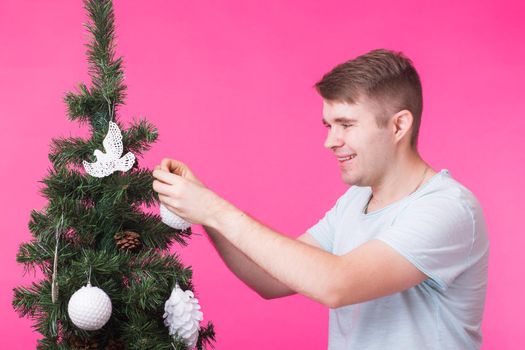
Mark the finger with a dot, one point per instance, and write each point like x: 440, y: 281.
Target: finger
x: 163, y: 199
x: 167, y: 177
x: 162, y: 188
x: 170, y: 204
x: 172, y: 208
x: 175, y: 166
x: 157, y: 167
x: 167, y: 201
x: 172, y: 165
x: 164, y: 164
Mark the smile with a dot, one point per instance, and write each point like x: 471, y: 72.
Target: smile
x: 344, y: 159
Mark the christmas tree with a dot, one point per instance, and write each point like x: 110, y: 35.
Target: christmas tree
x: 96, y: 227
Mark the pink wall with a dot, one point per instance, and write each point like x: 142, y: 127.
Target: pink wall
x: 228, y: 84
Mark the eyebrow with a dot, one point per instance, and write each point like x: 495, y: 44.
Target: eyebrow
x: 340, y: 120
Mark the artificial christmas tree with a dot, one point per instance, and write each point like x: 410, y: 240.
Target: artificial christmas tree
x: 94, y: 230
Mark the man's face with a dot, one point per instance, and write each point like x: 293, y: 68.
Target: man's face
x: 353, y: 131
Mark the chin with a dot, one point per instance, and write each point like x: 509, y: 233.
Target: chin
x: 350, y: 180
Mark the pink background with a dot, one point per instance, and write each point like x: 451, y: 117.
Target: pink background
x: 229, y: 86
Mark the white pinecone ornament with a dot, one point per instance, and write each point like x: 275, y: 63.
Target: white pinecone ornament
x: 182, y: 316
x: 173, y: 220
x: 89, y: 308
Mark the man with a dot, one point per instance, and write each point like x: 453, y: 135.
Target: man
x: 400, y: 260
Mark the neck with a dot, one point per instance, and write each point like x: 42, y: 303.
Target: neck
x: 403, y: 177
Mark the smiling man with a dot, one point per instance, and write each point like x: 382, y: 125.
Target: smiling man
x: 401, y: 259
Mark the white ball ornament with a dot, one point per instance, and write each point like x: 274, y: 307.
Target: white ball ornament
x: 182, y: 316
x: 89, y: 308
x: 173, y: 220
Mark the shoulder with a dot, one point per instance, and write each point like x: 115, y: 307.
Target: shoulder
x: 447, y: 192
x: 445, y: 205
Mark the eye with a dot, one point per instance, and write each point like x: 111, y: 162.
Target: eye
x: 328, y: 126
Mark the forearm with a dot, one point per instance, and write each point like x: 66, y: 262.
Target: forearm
x: 303, y: 268
x: 245, y: 269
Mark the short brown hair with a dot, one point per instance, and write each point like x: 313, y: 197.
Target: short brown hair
x: 385, y: 78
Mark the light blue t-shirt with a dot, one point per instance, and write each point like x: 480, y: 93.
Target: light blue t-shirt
x: 439, y: 228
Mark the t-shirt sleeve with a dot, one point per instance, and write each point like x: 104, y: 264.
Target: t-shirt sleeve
x: 436, y: 234
x: 324, y: 230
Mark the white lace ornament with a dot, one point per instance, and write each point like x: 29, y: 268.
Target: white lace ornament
x: 173, y: 220
x: 111, y: 161
x: 89, y: 308
x: 182, y: 316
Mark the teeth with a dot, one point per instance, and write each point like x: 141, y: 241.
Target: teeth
x: 347, y: 158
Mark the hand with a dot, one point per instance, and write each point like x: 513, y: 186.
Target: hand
x: 178, y: 168
x: 183, y: 194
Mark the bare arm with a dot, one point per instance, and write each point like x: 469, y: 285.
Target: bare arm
x: 243, y: 267
x: 248, y: 271
x: 370, y: 271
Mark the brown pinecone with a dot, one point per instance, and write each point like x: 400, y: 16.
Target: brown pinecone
x: 115, y: 345
x: 78, y: 343
x: 128, y: 240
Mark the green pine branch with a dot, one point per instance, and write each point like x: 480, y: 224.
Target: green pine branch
x: 97, y: 105
x: 89, y: 212
x: 134, y: 187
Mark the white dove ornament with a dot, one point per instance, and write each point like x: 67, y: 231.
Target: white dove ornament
x: 111, y: 161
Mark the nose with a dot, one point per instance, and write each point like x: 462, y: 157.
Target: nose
x: 333, y: 139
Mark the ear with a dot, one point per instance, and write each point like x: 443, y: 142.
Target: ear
x: 402, y: 124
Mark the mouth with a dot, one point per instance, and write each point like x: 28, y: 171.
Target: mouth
x: 346, y: 158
